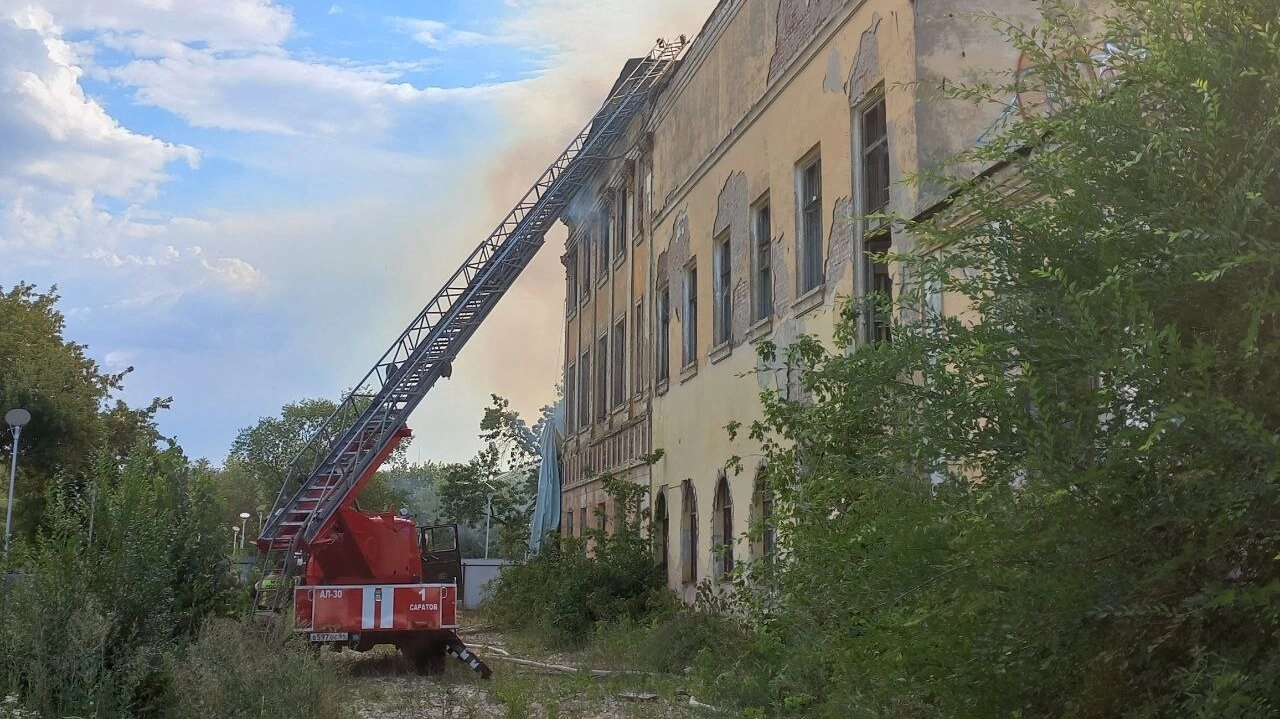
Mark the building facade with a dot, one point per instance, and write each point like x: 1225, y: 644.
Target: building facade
x: 728, y: 217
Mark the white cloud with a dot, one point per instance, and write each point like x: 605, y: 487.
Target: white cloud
x: 275, y: 93
x: 220, y: 23
x: 335, y: 9
x: 439, y: 35
x: 234, y: 272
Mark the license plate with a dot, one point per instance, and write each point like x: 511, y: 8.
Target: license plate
x: 329, y: 637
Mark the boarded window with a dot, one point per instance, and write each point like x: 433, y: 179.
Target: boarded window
x: 722, y: 266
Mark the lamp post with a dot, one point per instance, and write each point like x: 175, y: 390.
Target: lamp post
x: 244, y: 518
x: 235, y: 539
x: 16, y: 419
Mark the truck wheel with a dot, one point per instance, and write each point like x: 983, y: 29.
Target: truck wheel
x: 427, y: 656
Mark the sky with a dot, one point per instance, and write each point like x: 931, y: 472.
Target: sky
x: 247, y: 200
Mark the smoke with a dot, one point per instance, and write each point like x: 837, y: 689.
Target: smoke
x: 519, y: 352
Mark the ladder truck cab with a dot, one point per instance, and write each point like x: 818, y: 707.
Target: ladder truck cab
x: 356, y: 579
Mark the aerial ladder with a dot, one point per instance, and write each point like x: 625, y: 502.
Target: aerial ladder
x: 358, y: 580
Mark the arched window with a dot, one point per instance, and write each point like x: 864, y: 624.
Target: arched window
x: 722, y: 528
x: 662, y: 525
x: 688, y: 533
x: 762, y: 514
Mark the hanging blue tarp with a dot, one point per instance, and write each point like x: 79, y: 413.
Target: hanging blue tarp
x: 546, y: 508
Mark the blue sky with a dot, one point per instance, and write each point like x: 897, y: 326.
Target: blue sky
x: 246, y: 200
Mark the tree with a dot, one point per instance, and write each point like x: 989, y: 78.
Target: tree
x: 500, y: 482
x: 1068, y: 506
x: 69, y: 398
x: 266, y: 452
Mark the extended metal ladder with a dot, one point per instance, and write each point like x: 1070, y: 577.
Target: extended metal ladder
x: 370, y: 421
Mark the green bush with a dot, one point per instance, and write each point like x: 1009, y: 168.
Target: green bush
x: 575, y: 584
x: 1070, y: 507
x: 231, y: 671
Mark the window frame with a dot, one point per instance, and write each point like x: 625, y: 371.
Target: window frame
x: 810, y: 270
x: 689, y: 321
x: 762, y: 305
x: 722, y: 288
x: 602, y: 377
x: 618, y: 354
x: 662, y: 343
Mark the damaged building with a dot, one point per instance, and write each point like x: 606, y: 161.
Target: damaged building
x: 726, y: 217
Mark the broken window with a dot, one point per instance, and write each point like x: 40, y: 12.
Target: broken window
x: 689, y: 336
x: 873, y: 160
x: 584, y: 266
x: 623, y: 233
x: 722, y: 528
x: 722, y: 266
x: 664, y: 335
x: 662, y: 525
x: 763, y: 515
x: 605, y: 221
x: 571, y: 396
x: 688, y: 533
x: 602, y: 377
x: 619, y: 384
x: 810, y: 186
x: 584, y: 390
x: 571, y: 279
x: 762, y: 259
x: 637, y: 347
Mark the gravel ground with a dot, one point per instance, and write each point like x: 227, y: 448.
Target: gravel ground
x: 386, y: 688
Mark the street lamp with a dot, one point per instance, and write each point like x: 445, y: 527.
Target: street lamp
x: 235, y: 539
x: 244, y: 518
x: 16, y: 419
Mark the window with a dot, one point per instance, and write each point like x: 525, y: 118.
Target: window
x: 637, y: 347
x: 602, y: 517
x: 762, y: 259
x: 875, y: 158
x: 722, y: 528
x: 571, y: 396
x: 584, y: 268
x: 880, y: 283
x: 602, y: 377
x: 762, y: 511
x: 688, y: 533
x: 873, y: 153
x: 809, y: 182
x: 623, y: 232
x: 664, y: 335
x: 722, y: 265
x: 571, y: 278
x: 606, y: 240
x: 568, y: 523
x: 662, y: 525
x: 584, y: 390
x: 618, y: 389
x: 689, y: 338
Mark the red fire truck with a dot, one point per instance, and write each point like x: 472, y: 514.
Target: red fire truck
x: 356, y: 579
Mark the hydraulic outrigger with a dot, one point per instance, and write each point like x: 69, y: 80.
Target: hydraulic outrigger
x: 359, y: 580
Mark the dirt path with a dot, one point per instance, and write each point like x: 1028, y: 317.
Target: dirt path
x: 386, y: 688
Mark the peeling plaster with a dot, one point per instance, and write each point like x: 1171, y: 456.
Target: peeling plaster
x: 798, y: 21
x: 839, y: 246
x: 833, y: 81
x: 733, y: 213
x: 678, y: 255
x: 865, y: 72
